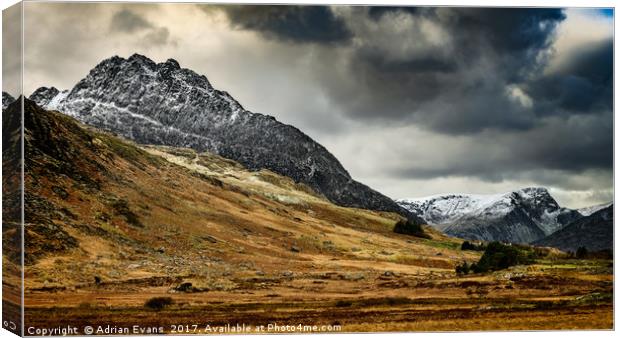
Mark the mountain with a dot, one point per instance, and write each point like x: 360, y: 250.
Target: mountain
x: 445, y: 209
x: 11, y: 186
x: 594, y: 232
x: 521, y: 216
x: 129, y: 215
x: 587, y: 211
x: 6, y: 100
x: 164, y: 104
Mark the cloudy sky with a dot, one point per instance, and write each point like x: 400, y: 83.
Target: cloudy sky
x: 413, y: 101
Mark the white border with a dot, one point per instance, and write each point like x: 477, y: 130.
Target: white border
x: 471, y: 3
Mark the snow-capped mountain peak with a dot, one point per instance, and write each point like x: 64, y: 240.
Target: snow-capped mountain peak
x: 445, y: 209
x: 523, y: 215
x: 587, y: 211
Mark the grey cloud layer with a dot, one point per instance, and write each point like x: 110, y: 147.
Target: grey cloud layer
x: 447, y: 68
x: 581, y: 144
x: 583, y: 86
x: 464, y: 71
x: 128, y: 21
x: 299, y: 24
x: 454, y: 75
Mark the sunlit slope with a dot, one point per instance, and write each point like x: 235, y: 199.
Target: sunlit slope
x: 102, y: 210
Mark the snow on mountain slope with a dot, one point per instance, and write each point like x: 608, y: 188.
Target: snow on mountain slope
x: 164, y: 104
x: 594, y: 232
x: 445, y: 209
x: 587, y: 211
x: 521, y: 216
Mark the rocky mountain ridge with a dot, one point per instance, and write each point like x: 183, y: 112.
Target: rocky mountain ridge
x: 164, y: 104
x: 587, y: 211
x: 594, y: 232
x: 521, y: 216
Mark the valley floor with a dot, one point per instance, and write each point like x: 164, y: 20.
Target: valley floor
x: 551, y: 295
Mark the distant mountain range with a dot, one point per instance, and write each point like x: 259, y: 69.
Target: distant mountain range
x: 594, y: 232
x: 587, y: 211
x: 522, y: 216
x: 164, y: 104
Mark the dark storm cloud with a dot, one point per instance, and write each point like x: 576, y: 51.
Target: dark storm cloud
x: 157, y: 37
x: 583, y: 86
x: 427, y: 64
x: 508, y: 29
x: 489, y: 90
x: 475, y: 72
x: 300, y: 24
x: 582, y: 144
x: 376, y: 12
x: 128, y: 21
x: 454, y: 86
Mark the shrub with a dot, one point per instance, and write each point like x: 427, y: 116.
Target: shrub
x: 121, y: 207
x: 581, y: 253
x: 344, y: 303
x: 467, y: 245
x: 390, y: 301
x: 498, y: 256
x: 408, y: 227
x: 158, y: 303
x: 185, y: 287
x: 601, y: 254
x: 462, y: 269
